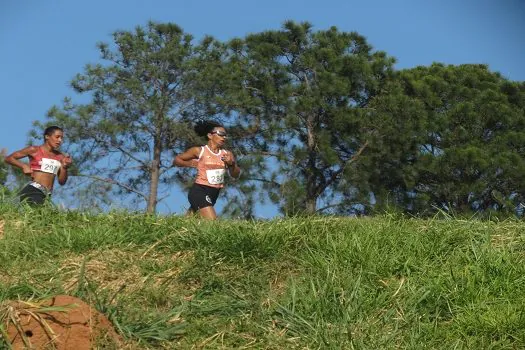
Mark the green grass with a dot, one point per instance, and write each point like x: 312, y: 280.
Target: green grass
x: 387, y: 282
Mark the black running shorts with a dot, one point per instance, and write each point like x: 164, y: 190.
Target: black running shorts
x: 202, y: 196
x: 32, y: 195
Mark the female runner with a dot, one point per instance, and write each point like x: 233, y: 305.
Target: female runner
x: 212, y: 162
x: 46, y: 163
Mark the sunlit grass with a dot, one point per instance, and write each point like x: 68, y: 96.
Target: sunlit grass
x: 386, y: 282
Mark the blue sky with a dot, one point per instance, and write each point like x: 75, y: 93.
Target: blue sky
x: 45, y: 43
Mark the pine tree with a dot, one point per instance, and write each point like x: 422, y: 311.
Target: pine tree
x: 143, y: 100
x: 471, y: 154
x: 301, y: 99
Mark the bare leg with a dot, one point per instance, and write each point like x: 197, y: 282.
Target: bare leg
x: 208, y: 213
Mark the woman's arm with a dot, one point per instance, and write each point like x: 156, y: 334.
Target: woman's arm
x: 14, y: 157
x: 187, y: 159
x: 233, y: 168
x: 62, y: 172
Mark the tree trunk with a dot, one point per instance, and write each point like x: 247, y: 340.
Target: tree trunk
x: 155, y: 175
x: 311, y: 205
x: 311, y: 188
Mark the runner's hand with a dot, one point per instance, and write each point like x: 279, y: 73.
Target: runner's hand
x: 66, y: 161
x: 228, y: 158
x: 27, y: 170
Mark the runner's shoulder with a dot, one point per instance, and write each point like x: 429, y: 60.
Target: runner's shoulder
x: 30, y: 150
x: 195, y: 150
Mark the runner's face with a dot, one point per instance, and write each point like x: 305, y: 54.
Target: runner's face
x: 55, y: 139
x: 218, y: 136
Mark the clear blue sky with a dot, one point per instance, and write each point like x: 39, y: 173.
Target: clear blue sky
x: 45, y: 43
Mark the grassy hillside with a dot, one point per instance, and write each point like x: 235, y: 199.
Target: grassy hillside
x: 318, y: 283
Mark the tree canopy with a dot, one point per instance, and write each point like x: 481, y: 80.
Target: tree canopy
x: 321, y: 123
x: 303, y: 97
x: 472, y: 152
x: 143, y: 98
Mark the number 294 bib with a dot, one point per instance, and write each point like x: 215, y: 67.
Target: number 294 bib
x: 215, y: 176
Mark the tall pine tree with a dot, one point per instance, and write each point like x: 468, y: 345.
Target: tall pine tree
x: 302, y: 101
x: 471, y: 141
x: 143, y: 100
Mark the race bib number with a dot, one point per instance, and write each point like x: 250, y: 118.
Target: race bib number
x: 215, y: 176
x: 50, y: 166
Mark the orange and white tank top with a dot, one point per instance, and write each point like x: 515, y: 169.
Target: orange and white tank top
x: 210, y: 168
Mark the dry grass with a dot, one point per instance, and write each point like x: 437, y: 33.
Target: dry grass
x: 5, y: 278
x: 110, y: 270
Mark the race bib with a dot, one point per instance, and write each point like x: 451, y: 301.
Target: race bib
x: 50, y: 166
x: 215, y: 176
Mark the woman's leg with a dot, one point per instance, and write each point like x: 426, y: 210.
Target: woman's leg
x: 208, y: 213
x: 202, y: 198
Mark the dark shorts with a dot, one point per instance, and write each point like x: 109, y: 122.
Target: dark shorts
x: 201, y: 196
x: 32, y: 195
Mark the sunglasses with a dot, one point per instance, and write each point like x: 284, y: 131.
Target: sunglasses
x: 220, y: 133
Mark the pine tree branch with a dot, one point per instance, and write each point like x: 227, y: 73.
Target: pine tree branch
x: 328, y: 207
x: 116, y: 183
x: 335, y: 175
x: 266, y: 154
x: 122, y: 150
x: 162, y: 198
x: 264, y: 180
x: 333, y: 206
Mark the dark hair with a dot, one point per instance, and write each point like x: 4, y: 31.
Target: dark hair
x: 51, y: 129
x: 204, y: 127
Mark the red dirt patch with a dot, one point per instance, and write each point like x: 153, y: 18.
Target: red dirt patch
x: 79, y: 327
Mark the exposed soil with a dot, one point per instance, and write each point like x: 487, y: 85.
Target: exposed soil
x: 79, y: 327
